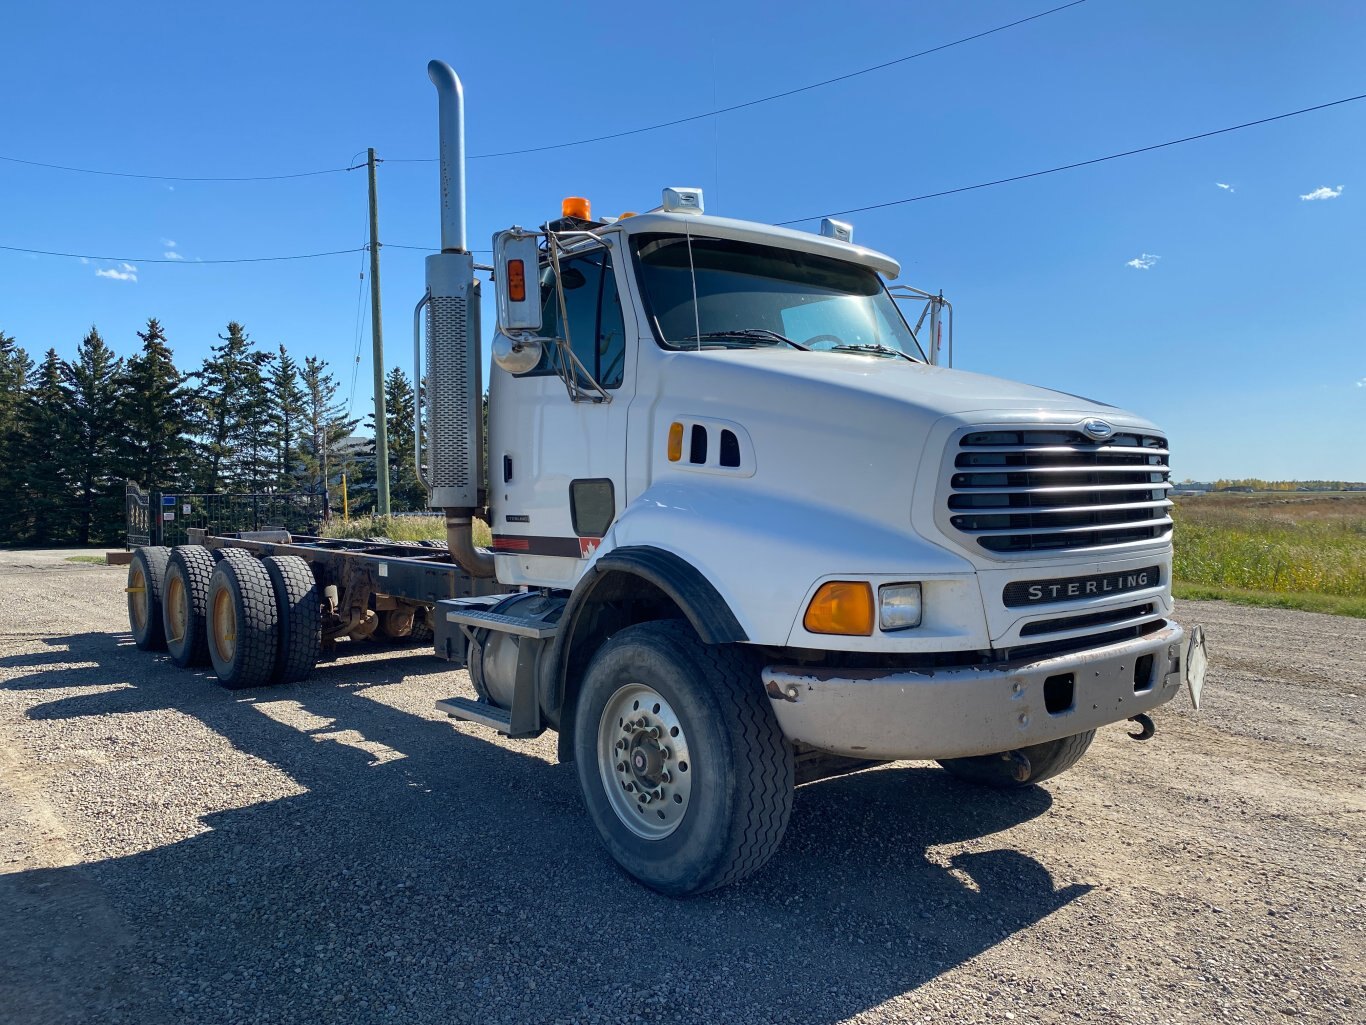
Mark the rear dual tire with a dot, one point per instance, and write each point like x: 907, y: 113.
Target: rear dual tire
x: 243, y: 624
x: 184, y: 593
x: 146, y: 574
x: 225, y: 608
x: 298, y: 610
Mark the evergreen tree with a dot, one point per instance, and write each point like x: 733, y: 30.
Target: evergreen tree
x: 93, y: 458
x: 155, y: 412
x: 232, y: 401
x: 15, y: 369
x: 254, y: 440
x: 44, y: 484
x: 287, y: 407
x: 326, y: 425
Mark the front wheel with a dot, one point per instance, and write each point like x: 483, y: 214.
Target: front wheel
x: 1024, y: 766
x: 683, y: 768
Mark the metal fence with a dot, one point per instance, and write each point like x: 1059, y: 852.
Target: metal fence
x: 163, y: 518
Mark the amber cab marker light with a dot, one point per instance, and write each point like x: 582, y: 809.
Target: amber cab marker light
x: 576, y: 206
x: 675, y: 442
x: 841, y: 607
x: 517, y: 281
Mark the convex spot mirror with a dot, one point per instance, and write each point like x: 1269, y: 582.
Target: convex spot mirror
x: 516, y: 355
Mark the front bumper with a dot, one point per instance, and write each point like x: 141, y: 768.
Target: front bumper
x: 952, y: 713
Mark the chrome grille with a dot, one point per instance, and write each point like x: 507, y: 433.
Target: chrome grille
x: 1056, y: 490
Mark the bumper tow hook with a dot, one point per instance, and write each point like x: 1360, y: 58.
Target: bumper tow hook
x: 1146, y: 729
x: 1020, y: 768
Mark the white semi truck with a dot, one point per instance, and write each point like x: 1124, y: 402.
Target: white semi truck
x: 747, y: 533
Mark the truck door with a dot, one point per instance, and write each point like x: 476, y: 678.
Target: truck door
x: 557, y: 466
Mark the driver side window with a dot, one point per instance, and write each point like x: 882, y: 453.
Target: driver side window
x: 597, y: 331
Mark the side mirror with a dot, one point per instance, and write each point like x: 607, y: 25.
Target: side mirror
x: 517, y: 281
x: 517, y: 354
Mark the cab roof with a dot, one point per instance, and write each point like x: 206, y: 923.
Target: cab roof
x: 762, y: 234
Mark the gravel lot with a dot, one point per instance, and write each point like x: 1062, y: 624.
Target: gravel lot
x: 336, y: 851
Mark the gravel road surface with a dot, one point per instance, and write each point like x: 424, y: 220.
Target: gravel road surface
x: 338, y: 852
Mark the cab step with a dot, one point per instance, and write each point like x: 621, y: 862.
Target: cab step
x: 480, y: 619
x: 473, y: 710
x: 463, y: 616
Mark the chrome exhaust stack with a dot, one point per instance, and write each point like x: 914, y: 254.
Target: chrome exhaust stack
x: 454, y: 389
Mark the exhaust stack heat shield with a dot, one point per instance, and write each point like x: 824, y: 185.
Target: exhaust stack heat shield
x: 454, y: 383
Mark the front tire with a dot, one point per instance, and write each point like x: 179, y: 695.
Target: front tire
x: 683, y: 768
x: 1002, y: 771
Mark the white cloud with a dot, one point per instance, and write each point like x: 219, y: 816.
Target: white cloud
x: 84, y: 260
x: 127, y: 273
x: 1361, y: 383
x: 1323, y: 192
x: 168, y: 243
x: 1226, y: 188
x: 1145, y: 261
x: 171, y: 254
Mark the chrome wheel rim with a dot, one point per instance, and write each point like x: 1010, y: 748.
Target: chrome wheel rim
x: 643, y: 761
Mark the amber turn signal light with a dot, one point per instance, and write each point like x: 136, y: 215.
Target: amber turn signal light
x: 517, y: 281
x: 841, y: 607
x: 675, y: 442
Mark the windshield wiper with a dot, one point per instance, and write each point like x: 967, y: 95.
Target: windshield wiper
x: 756, y: 334
x: 873, y: 347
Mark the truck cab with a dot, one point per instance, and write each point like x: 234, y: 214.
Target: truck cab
x: 732, y: 426
x: 753, y: 534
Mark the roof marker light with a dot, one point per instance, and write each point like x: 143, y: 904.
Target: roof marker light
x: 680, y: 200
x: 841, y: 230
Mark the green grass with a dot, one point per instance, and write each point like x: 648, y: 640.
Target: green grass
x: 93, y: 560
x: 401, y: 528
x: 1329, y: 603
x: 1279, y: 550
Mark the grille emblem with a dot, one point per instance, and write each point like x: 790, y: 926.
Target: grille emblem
x: 1097, y: 430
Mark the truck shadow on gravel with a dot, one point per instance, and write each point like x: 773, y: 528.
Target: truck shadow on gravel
x: 457, y: 879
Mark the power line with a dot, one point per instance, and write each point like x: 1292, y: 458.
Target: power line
x: 183, y: 263
x: 751, y: 103
x: 178, y: 178
x: 559, y: 145
x: 1080, y: 163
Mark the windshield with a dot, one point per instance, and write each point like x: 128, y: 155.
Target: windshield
x: 751, y: 295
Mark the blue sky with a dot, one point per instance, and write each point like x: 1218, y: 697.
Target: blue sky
x: 1245, y: 336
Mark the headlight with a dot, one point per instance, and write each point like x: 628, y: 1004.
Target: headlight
x: 898, y: 606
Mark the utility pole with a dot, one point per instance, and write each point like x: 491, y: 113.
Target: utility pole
x: 377, y: 337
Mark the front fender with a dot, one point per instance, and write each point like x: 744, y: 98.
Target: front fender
x: 764, y: 553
